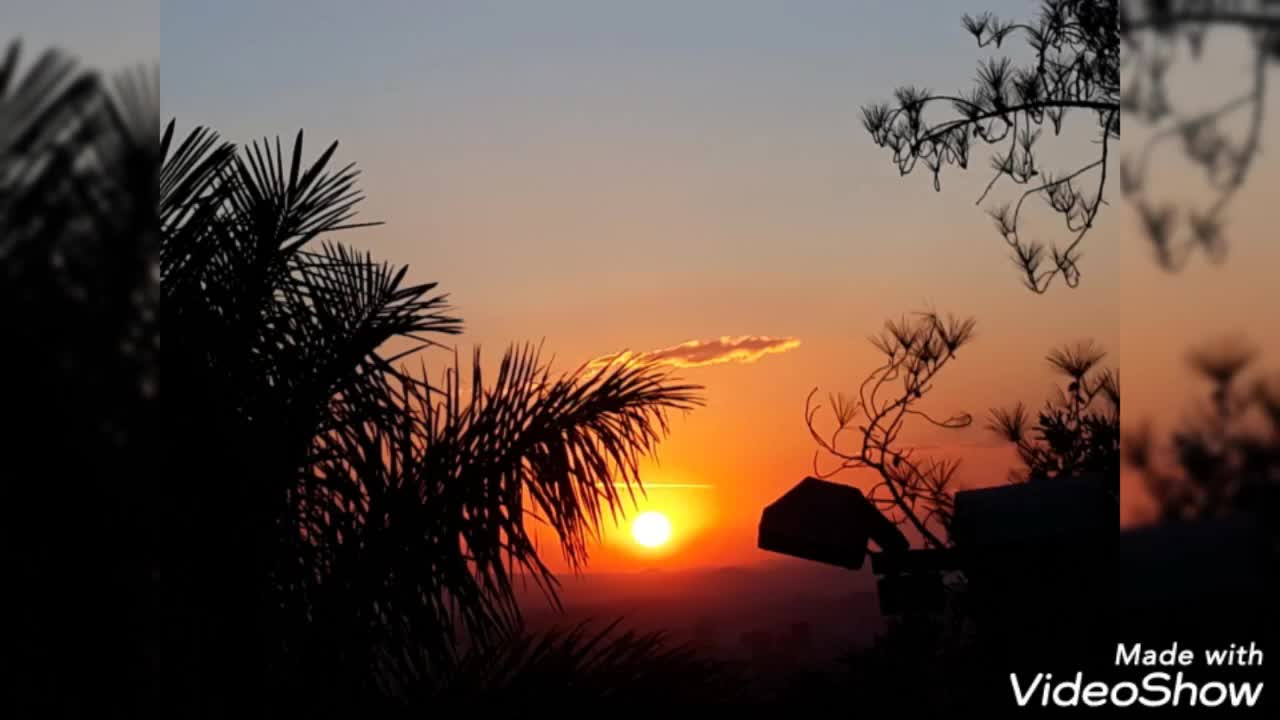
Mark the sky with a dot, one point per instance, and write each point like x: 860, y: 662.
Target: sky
x: 105, y: 35
x: 1164, y: 314
x: 691, y: 178
x: 601, y: 177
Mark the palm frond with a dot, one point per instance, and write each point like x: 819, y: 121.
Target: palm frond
x: 79, y: 318
x: 385, y: 520
x: 443, y: 487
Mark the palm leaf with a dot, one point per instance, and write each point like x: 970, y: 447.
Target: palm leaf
x: 429, y: 494
x: 383, y: 521
x: 78, y: 312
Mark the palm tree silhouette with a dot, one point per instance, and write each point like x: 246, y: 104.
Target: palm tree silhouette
x: 337, y: 524
x: 79, y: 329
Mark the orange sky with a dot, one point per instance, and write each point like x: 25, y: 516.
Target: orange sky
x: 641, y: 178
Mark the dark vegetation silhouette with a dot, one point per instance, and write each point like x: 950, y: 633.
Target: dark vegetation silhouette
x: 325, y: 530
x: 1074, y: 69
x: 1198, y: 574
x: 921, y: 664
x: 586, y: 668
x: 1092, y: 59
x: 351, y: 531
x: 1049, y: 616
x: 1159, y: 37
x: 330, y: 529
x: 913, y: 490
x: 78, y: 318
x: 1214, y: 483
x: 1080, y: 49
x: 1077, y: 432
x: 1224, y: 458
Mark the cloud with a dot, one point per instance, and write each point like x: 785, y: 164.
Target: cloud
x: 699, y: 353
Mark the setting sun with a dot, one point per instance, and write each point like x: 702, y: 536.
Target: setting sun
x: 651, y: 529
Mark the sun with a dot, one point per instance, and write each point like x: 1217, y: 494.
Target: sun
x: 651, y: 529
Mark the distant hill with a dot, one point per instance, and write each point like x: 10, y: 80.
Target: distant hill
x: 788, y: 611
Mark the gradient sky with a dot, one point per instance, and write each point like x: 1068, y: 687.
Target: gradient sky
x: 1165, y: 314
x: 609, y: 176
x: 606, y: 176
x: 105, y: 35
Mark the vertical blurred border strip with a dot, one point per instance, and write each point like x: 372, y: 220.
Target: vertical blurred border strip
x: 79, y: 350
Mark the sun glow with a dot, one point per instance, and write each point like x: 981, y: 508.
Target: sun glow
x: 651, y: 529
